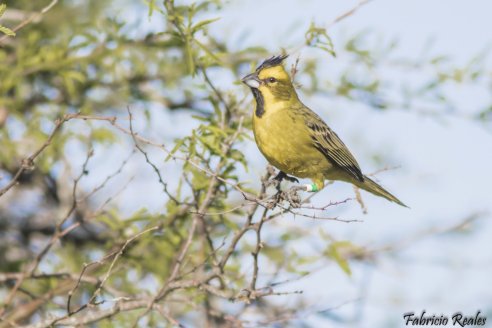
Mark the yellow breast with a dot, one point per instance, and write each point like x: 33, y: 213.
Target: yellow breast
x: 284, y: 140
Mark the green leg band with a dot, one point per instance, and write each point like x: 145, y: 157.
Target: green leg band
x: 312, y: 187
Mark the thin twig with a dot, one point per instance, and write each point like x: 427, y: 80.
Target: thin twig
x: 115, y: 255
x: 33, y: 17
x: 27, y: 164
x: 348, y: 13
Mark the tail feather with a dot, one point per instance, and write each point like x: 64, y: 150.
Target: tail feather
x: 374, y: 188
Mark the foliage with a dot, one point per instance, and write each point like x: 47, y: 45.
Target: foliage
x: 79, y: 88
x: 3, y: 29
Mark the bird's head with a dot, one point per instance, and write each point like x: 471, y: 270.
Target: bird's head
x: 271, y: 81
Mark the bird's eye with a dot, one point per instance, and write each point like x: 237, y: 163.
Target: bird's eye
x: 272, y: 80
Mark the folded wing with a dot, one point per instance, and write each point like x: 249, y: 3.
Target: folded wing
x: 330, y: 145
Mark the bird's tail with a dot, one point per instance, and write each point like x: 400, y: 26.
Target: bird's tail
x: 376, y: 189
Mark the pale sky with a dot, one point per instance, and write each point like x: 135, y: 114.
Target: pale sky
x: 445, y: 163
x: 445, y: 172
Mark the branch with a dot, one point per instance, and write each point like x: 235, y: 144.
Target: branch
x: 256, y: 252
x: 209, y: 197
x: 154, y: 167
x: 27, y: 164
x: 115, y: 255
x: 348, y: 13
x: 33, y: 17
x: 59, y: 232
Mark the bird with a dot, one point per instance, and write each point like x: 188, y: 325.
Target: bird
x: 295, y: 139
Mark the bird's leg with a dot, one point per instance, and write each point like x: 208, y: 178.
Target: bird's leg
x: 317, y: 185
x: 311, y: 187
x: 277, y: 180
x: 280, y: 195
x: 279, y: 177
x: 282, y: 175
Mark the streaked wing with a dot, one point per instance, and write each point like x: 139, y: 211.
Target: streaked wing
x: 328, y: 143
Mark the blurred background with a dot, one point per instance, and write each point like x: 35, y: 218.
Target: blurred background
x: 407, y: 86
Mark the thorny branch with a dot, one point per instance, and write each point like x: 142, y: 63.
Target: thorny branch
x: 144, y: 153
x: 337, y: 20
x: 219, y: 258
x: 208, y: 275
x: 27, y: 163
x: 175, y: 280
x: 195, y: 276
x: 115, y: 256
x: 60, y: 231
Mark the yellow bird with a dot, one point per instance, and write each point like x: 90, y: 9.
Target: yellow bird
x: 295, y: 139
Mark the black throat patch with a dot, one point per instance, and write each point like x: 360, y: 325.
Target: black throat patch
x: 260, y: 102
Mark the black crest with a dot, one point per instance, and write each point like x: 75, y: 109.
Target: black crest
x: 272, y: 61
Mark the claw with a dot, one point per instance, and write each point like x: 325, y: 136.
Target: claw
x: 282, y: 175
x: 291, y: 195
x: 291, y: 179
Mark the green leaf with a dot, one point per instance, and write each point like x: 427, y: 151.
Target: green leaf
x: 7, y: 31
x: 178, y: 144
x: 111, y: 219
x: 152, y: 7
x: 215, y: 130
x: 200, y: 181
x: 334, y: 253
x: 76, y: 76
x: 190, y: 61
x: 318, y: 37
x: 200, y: 118
x: 207, y: 51
x: 202, y: 24
x: 3, y: 7
x: 211, y: 143
x: 141, y: 214
x: 103, y: 135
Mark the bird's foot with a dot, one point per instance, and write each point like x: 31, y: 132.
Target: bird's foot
x: 291, y: 195
x: 282, y: 175
x: 278, y: 179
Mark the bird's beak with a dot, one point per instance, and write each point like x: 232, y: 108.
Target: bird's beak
x: 252, y: 80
